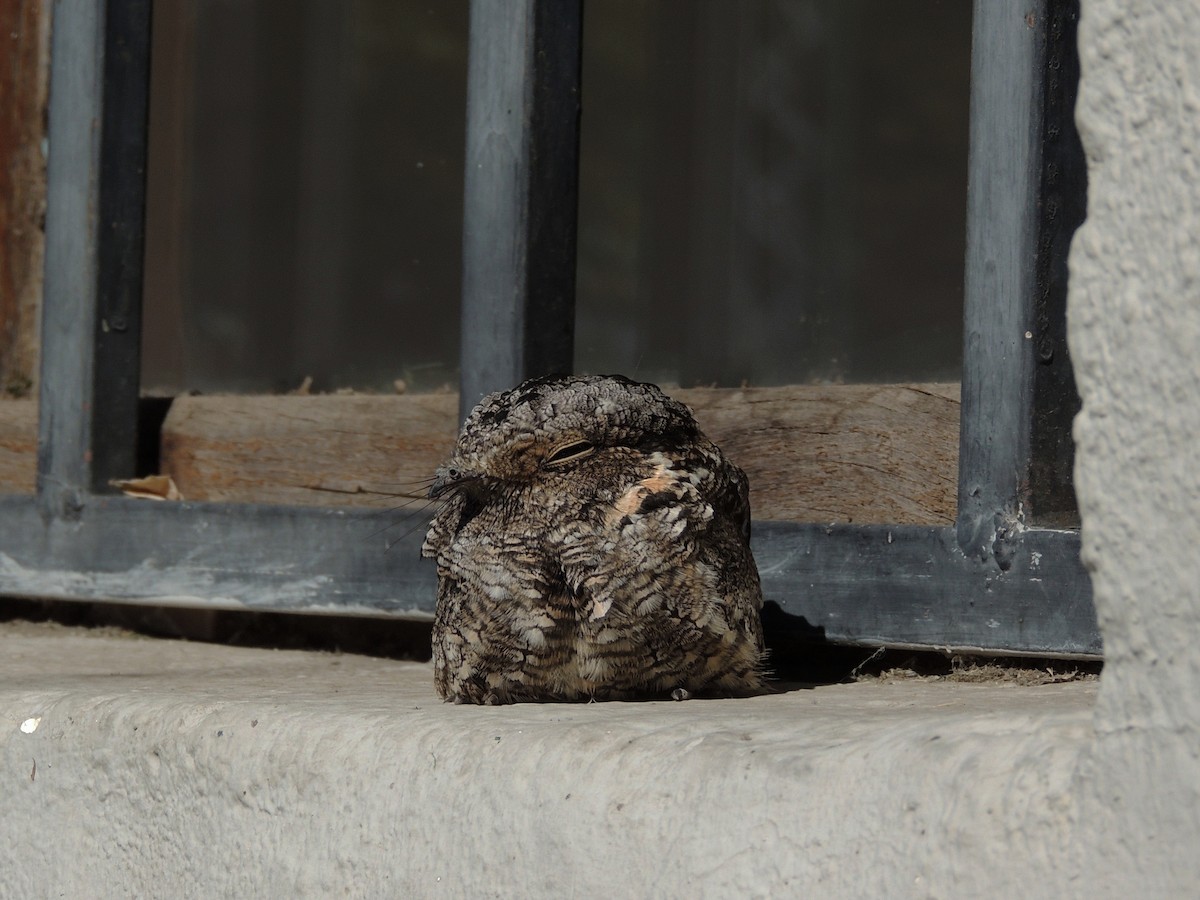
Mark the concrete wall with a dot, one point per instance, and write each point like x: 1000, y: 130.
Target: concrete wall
x: 1134, y: 316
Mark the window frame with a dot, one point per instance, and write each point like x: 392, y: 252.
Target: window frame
x: 1003, y: 579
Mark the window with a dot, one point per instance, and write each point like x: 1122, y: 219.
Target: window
x: 1004, y: 577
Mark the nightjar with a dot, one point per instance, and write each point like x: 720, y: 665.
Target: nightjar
x: 591, y: 543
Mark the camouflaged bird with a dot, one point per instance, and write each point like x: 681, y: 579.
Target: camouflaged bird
x: 591, y: 543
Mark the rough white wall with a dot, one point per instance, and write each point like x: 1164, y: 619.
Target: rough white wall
x: 1134, y: 316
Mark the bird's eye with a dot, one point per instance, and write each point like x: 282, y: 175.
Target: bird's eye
x: 567, y: 453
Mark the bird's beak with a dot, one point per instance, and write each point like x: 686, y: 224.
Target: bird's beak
x: 440, y: 485
x: 448, y: 479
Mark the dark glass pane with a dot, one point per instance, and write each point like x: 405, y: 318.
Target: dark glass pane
x: 305, y: 208
x: 774, y: 191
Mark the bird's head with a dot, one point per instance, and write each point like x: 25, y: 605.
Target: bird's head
x: 554, y: 426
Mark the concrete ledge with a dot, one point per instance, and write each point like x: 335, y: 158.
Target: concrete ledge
x: 161, y: 768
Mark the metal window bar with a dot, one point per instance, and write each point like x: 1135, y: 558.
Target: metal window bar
x: 521, y: 194
x: 997, y: 581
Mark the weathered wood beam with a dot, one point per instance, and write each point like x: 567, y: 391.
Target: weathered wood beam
x: 837, y: 453
x: 24, y: 81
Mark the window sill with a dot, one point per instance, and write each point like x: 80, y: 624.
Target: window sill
x: 226, y: 770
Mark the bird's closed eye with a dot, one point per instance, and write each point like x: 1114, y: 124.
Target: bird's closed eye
x: 568, y: 453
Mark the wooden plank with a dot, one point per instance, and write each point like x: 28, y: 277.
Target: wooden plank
x: 829, y: 453
x: 18, y: 445
x: 322, y: 450
x: 24, y: 80
x: 854, y: 453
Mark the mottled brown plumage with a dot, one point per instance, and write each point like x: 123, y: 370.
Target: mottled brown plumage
x: 591, y: 543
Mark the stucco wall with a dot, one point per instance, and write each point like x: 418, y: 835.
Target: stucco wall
x: 1134, y: 317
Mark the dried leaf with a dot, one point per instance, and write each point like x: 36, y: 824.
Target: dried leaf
x: 152, y: 487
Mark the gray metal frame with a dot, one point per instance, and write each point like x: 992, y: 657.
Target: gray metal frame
x: 521, y: 197
x: 997, y: 581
